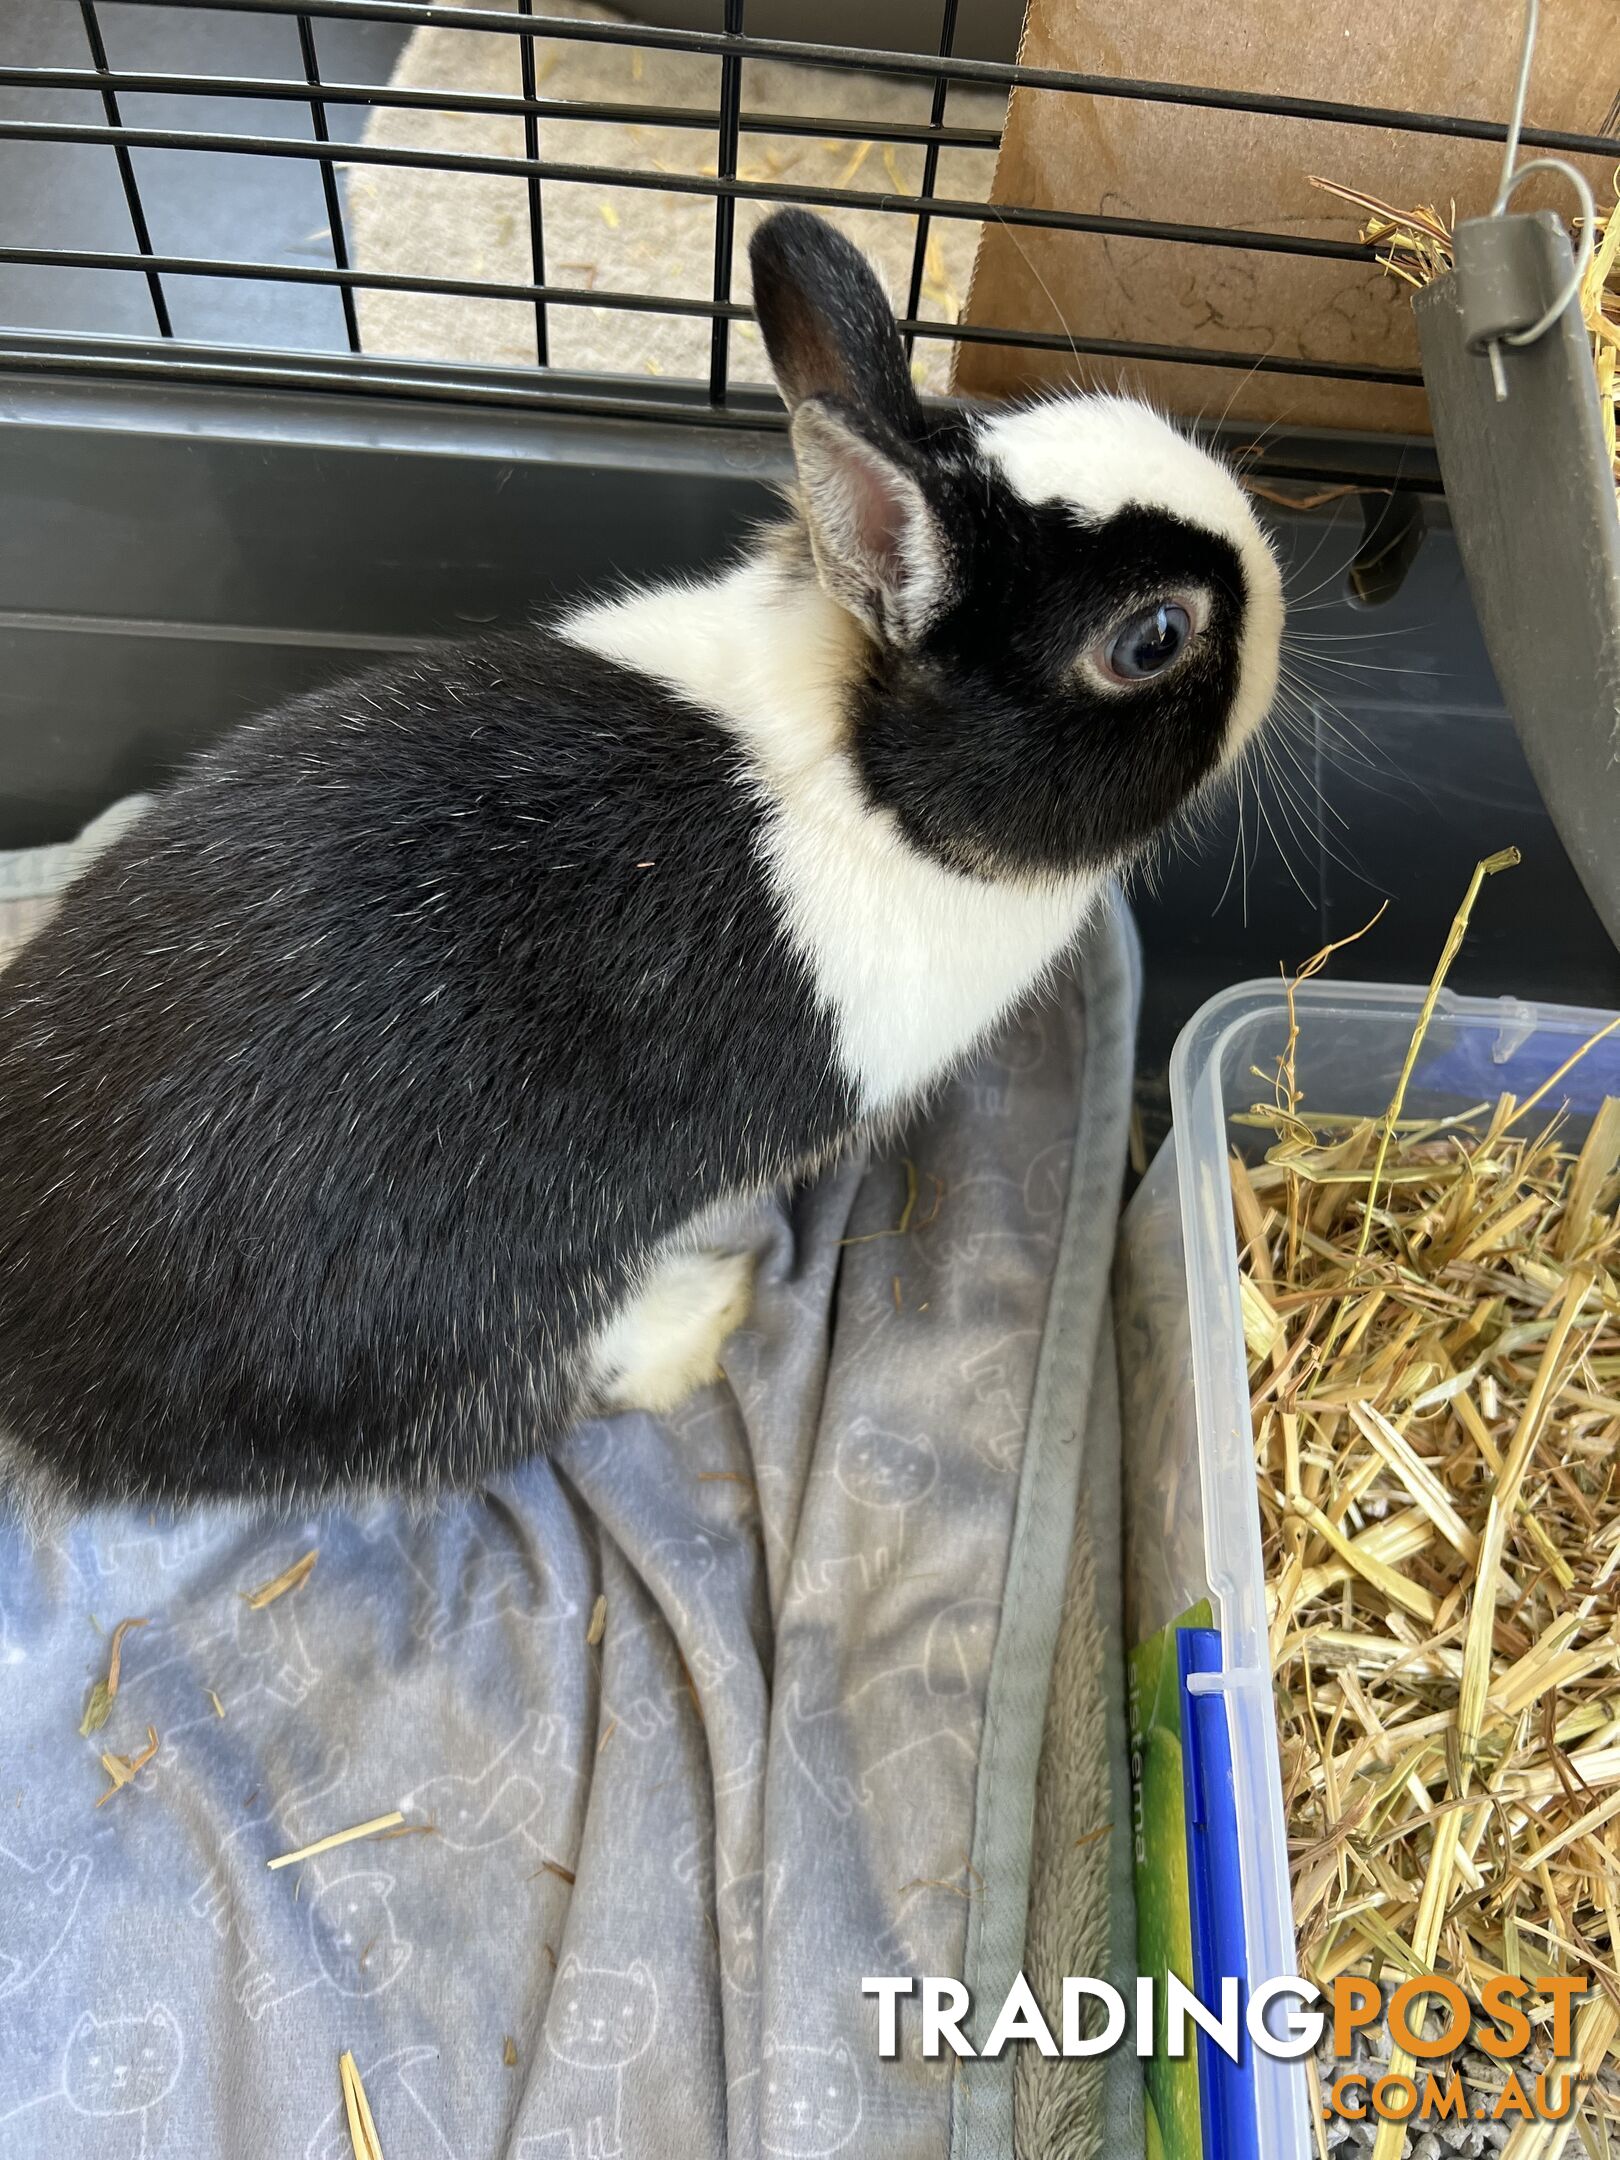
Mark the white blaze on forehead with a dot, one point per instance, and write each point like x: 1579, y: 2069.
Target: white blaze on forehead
x: 1097, y: 454
x: 1100, y: 455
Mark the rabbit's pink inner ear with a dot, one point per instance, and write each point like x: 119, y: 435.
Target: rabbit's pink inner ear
x: 876, y: 541
x: 876, y: 505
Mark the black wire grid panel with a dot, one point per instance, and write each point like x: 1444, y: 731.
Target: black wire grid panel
x: 716, y: 403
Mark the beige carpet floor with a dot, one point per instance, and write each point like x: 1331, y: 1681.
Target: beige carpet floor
x: 630, y: 239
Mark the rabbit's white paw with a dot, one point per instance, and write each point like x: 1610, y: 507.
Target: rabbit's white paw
x: 666, y: 1341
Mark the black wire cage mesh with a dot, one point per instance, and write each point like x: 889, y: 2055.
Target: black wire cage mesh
x: 163, y: 126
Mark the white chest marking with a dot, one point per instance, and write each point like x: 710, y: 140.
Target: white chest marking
x: 915, y: 961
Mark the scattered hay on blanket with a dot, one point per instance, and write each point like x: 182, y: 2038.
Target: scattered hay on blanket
x: 292, y: 1578
x: 910, y: 1220
x: 598, y: 1624
x: 554, y: 1867
x: 691, y: 1685
x: 509, y: 2052
x: 377, y: 1824
x: 123, y: 1769
x: 362, y: 2130
x: 1432, y: 1313
x: 1416, y: 246
x: 936, y: 1882
x: 105, y: 1692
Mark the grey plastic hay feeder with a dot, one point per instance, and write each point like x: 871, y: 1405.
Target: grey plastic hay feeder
x: 1532, y: 495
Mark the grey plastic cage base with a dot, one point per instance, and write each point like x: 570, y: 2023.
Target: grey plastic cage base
x: 175, y: 556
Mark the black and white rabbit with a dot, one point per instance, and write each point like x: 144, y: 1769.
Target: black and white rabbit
x: 361, y: 1109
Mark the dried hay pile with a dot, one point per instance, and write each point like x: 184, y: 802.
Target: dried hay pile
x: 1432, y: 1313
x: 1416, y: 246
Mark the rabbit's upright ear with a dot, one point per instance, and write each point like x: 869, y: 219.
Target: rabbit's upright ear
x: 826, y: 322
x: 879, y: 544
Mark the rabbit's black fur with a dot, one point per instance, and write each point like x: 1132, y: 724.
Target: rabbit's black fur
x: 345, y: 1093
x: 355, y: 1099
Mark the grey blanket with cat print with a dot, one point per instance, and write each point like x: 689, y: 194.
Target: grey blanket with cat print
x: 693, y: 1725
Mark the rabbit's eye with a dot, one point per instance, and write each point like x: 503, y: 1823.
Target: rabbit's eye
x: 1148, y: 644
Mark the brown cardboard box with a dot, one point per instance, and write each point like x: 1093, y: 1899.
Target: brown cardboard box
x: 1174, y: 162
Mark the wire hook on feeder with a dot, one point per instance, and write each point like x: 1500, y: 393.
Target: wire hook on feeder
x: 1512, y: 175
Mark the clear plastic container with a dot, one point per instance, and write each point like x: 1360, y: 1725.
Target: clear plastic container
x: 1192, y: 1518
